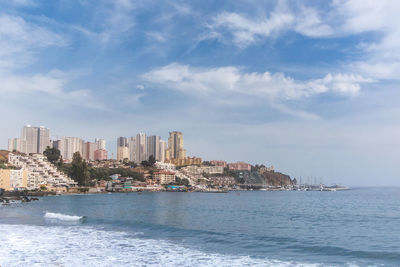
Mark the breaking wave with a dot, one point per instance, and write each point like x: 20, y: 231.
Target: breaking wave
x: 21, y: 245
x: 63, y: 217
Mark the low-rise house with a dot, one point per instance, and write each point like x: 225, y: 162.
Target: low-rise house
x: 13, y: 179
x: 164, y: 177
x: 146, y: 173
x: 239, y: 166
x: 223, y: 181
x: 196, y: 170
x: 165, y: 166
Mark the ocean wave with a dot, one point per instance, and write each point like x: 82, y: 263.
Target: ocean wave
x: 22, y: 245
x: 62, y: 217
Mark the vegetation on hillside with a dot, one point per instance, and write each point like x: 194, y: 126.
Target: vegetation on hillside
x: 3, y: 156
x: 53, y: 155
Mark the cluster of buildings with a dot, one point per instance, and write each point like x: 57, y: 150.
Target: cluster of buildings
x: 32, y: 172
x: 171, y: 161
x: 35, y: 140
x: 141, y: 147
x: 13, y: 179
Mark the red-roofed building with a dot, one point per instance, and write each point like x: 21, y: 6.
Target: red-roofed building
x: 239, y: 166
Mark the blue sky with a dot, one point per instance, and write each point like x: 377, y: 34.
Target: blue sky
x: 310, y: 88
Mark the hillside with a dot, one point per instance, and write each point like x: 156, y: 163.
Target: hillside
x: 276, y: 178
x: 3, y: 155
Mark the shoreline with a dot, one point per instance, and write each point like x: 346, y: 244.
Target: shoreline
x: 20, y: 196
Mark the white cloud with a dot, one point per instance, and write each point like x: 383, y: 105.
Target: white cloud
x: 19, y: 2
x: 309, y: 23
x: 157, y: 36
x: 120, y: 19
x: 382, y: 56
x: 19, y: 39
x: 111, y: 21
x: 233, y: 86
x: 21, y: 43
x: 45, y: 83
x: 246, y: 31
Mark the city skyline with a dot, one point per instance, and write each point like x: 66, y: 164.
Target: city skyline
x: 310, y: 88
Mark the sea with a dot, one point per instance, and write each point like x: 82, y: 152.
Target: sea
x: 358, y: 227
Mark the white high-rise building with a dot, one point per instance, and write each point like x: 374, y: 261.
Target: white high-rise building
x: 101, y: 143
x: 43, y: 139
x: 163, y: 147
x: 69, y: 145
x: 132, y: 148
x: 34, y: 139
x: 14, y: 144
x: 141, y: 148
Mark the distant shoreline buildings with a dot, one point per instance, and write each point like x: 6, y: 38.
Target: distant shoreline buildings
x: 169, y: 160
x: 139, y: 148
x: 32, y: 140
x: 35, y: 140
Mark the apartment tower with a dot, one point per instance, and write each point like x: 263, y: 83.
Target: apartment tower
x: 175, y: 146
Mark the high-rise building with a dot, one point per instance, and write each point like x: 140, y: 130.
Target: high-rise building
x: 163, y: 147
x: 68, y: 146
x: 101, y: 143
x: 122, y: 149
x: 14, y: 144
x: 141, y: 148
x: 122, y: 153
x: 122, y: 141
x: 132, y: 148
x: 43, y: 139
x: 153, y: 147
x: 34, y: 139
x: 100, y: 154
x: 88, y: 151
x: 175, y: 146
x: 57, y: 144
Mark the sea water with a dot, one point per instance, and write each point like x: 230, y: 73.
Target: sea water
x: 360, y: 227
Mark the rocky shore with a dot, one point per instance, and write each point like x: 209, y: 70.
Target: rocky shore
x: 15, y: 197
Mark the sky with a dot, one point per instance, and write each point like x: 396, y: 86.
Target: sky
x: 310, y: 87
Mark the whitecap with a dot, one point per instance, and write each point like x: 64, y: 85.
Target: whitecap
x: 62, y: 217
x: 22, y: 245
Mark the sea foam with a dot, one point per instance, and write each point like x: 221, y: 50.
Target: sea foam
x: 22, y: 245
x: 62, y: 217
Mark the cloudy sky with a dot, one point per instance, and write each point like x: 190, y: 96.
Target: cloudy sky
x: 311, y: 87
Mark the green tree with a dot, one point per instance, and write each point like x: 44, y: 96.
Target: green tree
x: 43, y: 188
x: 152, y: 160
x: 79, y: 170
x: 149, y: 163
x: 60, y: 163
x: 53, y: 154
